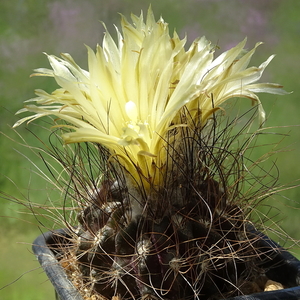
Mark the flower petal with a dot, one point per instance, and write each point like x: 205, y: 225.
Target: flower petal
x: 137, y: 89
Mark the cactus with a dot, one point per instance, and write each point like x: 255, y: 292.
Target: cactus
x: 155, y: 175
x: 193, y: 241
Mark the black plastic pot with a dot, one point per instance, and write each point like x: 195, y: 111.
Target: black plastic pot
x: 281, y: 267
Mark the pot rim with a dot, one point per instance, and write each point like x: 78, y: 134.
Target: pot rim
x: 64, y: 288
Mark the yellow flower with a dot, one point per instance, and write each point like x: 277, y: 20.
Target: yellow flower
x: 136, y: 90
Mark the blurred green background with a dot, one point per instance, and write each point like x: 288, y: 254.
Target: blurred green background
x: 30, y: 27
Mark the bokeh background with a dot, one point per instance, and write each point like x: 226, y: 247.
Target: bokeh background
x: 30, y: 27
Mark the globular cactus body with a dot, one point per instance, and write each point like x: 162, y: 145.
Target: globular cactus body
x: 183, y: 255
